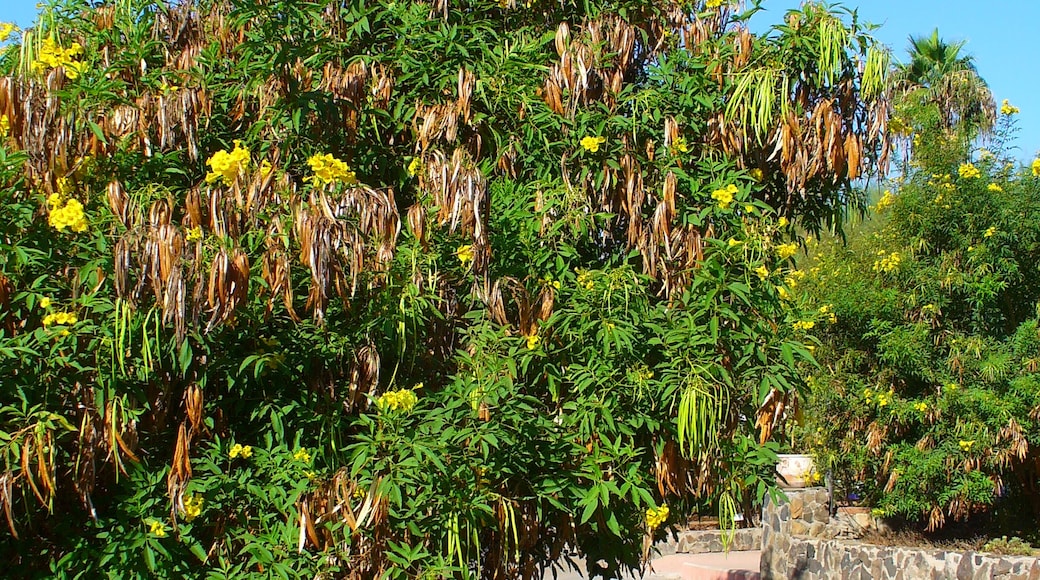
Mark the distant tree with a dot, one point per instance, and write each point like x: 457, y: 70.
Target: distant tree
x: 942, y: 77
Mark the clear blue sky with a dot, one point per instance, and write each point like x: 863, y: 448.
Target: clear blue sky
x: 1002, y: 35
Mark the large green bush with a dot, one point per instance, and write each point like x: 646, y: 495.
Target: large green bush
x: 928, y: 395
x: 363, y: 289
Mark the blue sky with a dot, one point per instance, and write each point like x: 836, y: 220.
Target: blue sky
x: 1002, y: 35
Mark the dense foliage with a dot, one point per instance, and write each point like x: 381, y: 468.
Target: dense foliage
x: 929, y: 393
x: 399, y: 288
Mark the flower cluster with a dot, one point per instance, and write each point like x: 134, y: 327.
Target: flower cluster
x: 6, y: 30
x: 968, y: 171
x: 1007, y: 108
x: 414, y: 166
x: 243, y: 451
x: 882, y: 398
x: 400, y: 400
x: 533, y: 340
x: 787, y: 250
x: 193, y: 234
x: 679, y: 146
x: 656, y: 516
x: 725, y: 195
x: 52, y: 55
x: 995, y: 187
x: 227, y: 166
x: 887, y: 262
x: 921, y: 407
x: 192, y: 507
x: 156, y: 528
x: 715, y: 3
x: 966, y: 445
x: 585, y: 279
x: 464, y: 254
x: 66, y: 215
x: 804, y: 325
x: 302, y: 455
x: 63, y: 318
x: 5, y: 126
x: 989, y: 232
x: 1035, y: 167
x: 762, y: 272
x: 592, y: 143
x: 327, y: 169
x: 886, y: 201
x: 828, y: 311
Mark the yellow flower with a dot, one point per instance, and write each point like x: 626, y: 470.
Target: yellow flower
x: 680, y: 146
x: 887, y: 263
x: 1007, y: 108
x: 244, y: 451
x: 921, y: 407
x: 733, y: 242
x: 400, y: 400
x: 68, y: 216
x: 414, y: 166
x: 784, y: 294
x: 966, y: 445
x: 265, y: 169
x: 156, y: 528
x: 1036, y: 167
x: 725, y: 195
x: 715, y: 3
x: 533, y: 340
x: 656, y: 516
x: 6, y: 30
x: 804, y: 325
x: 194, y: 234
x: 782, y: 222
x: 886, y: 201
x: 968, y: 171
x: 994, y: 187
x: 192, y: 507
x: 787, y: 250
x: 989, y: 232
x: 228, y: 166
x: 952, y: 387
x: 5, y: 126
x: 757, y: 174
x: 45, y: 302
x: 64, y: 318
x: 464, y: 254
x: 592, y: 143
x: 762, y: 272
x: 52, y: 55
x: 302, y: 454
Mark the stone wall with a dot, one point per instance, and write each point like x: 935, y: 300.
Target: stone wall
x: 707, y: 541
x: 801, y: 542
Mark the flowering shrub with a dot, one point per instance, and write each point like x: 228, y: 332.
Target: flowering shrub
x: 928, y: 394
x: 286, y: 218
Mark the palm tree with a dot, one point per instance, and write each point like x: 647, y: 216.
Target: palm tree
x: 940, y: 74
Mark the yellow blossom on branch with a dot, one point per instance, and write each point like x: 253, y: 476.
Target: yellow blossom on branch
x: 656, y: 516
x: 994, y: 187
x: 804, y: 325
x: 414, y: 166
x: 328, y: 169
x: 1006, y: 108
x: 968, y: 171
x: 533, y: 340
x: 70, y: 215
x: 45, y: 302
x: 243, y: 451
x: 156, y: 528
x: 227, y: 166
x: 592, y: 144
x: 192, y: 507
x: 725, y: 195
x: 762, y: 272
x: 464, y: 254
x: 787, y: 250
x: 400, y: 400
x: 966, y: 445
x: 302, y: 455
x: 51, y: 55
x: 1036, y: 167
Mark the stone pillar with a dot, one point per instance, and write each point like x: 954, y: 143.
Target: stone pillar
x: 802, y: 512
